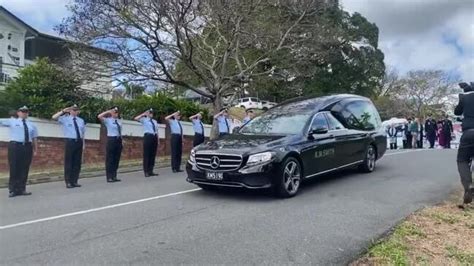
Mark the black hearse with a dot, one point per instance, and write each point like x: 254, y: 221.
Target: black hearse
x: 293, y: 141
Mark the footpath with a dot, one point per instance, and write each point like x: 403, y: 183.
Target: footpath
x: 87, y: 171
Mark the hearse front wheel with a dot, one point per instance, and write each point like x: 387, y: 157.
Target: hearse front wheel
x: 289, y: 179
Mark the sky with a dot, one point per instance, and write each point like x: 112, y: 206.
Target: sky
x: 414, y: 34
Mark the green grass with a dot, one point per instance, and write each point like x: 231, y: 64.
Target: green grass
x: 445, y: 218
x: 393, y: 250
x: 462, y: 257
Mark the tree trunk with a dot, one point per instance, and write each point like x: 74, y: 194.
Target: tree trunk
x: 217, y: 106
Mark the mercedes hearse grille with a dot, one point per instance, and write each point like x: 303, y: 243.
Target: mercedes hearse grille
x: 218, y: 162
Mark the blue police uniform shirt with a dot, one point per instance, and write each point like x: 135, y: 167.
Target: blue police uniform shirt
x: 148, y: 123
x: 67, y: 123
x: 113, y: 129
x: 17, y: 131
x: 198, y: 126
x: 224, y: 124
x: 246, y: 119
x: 175, y: 127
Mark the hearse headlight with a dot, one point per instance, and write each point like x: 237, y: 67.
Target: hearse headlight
x: 260, y: 158
x: 192, y: 156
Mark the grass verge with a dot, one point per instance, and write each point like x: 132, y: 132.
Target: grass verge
x: 440, y: 235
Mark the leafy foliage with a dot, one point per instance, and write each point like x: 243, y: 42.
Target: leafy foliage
x: 45, y: 89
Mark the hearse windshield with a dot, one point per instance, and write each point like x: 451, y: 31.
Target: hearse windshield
x: 276, y: 123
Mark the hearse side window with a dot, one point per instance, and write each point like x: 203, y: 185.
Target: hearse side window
x: 319, y: 121
x: 334, y: 124
x: 245, y: 100
x: 254, y: 99
x: 361, y: 115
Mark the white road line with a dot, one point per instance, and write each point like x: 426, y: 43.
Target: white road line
x: 96, y: 209
x: 3, y: 227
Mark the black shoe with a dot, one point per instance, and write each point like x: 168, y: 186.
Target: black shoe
x: 76, y: 185
x: 467, y: 197
x: 116, y: 180
x: 69, y: 186
x: 24, y: 193
x: 179, y: 171
x: 153, y: 174
x: 110, y: 181
x: 12, y: 194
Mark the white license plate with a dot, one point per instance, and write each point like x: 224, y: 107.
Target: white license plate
x: 214, y: 176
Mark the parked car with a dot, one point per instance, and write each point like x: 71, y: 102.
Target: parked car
x: 249, y: 103
x: 267, y: 105
x: 326, y: 134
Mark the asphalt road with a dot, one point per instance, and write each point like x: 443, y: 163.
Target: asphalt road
x: 164, y: 220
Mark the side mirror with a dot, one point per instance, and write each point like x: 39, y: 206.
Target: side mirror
x: 319, y: 130
x: 235, y: 130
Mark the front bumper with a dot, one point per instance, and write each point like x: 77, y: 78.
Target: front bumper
x: 256, y: 177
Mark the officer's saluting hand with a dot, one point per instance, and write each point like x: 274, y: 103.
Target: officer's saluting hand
x: 74, y: 130
x: 112, y: 121
x: 23, y: 135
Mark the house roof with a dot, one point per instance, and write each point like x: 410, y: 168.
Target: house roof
x: 29, y: 29
x: 36, y: 33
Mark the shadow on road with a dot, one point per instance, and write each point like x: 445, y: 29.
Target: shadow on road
x: 265, y: 195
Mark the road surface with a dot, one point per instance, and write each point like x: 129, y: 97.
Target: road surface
x: 165, y: 220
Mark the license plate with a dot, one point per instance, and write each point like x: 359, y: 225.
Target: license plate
x: 214, y: 176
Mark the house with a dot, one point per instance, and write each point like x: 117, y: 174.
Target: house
x: 21, y: 44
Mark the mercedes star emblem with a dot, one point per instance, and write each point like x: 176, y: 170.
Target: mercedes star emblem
x: 215, y: 162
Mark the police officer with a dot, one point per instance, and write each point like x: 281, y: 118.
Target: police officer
x: 465, y: 108
x: 23, y: 144
x: 250, y: 115
x: 150, y: 141
x: 223, y: 122
x: 431, y: 128
x: 113, y: 123
x: 176, y: 140
x: 198, y: 129
x: 74, y: 129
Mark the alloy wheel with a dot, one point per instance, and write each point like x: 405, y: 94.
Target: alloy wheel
x: 291, y: 177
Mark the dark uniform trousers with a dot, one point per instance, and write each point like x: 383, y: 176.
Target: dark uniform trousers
x: 150, y: 144
x: 72, y: 160
x: 112, y: 156
x: 19, y: 159
x: 176, y: 151
x: 464, y: 158
x: 198, y: 139
x: 431, y: 136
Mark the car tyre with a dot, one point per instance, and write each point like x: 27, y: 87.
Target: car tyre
x: 289, y: 178
x: 370, y: 159
x: 242, y: 106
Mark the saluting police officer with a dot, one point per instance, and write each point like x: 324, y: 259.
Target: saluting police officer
x: 250, y: 115
x: 198, y: 127
x: 112, y: 121
x: 176, y: 140
x: 150, y: 141
x: 74, y: 129
x: 223, y: 122
x: 23, y: 144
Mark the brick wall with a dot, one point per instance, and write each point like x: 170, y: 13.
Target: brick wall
x: 51, y: 151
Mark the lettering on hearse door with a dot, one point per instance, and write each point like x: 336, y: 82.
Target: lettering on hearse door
x: 324, y: 153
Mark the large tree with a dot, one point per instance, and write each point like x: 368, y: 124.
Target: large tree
x: 210, y: 38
